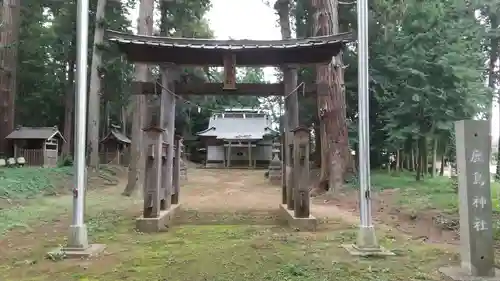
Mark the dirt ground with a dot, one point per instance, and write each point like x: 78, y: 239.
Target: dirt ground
x: 219, y: 197
x: 208, y: 194
x: 426, y: 225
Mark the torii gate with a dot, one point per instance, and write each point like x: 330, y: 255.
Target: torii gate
x: 161, y: 194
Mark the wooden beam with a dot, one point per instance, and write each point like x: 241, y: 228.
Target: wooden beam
x: 243, y: 89
x: 229, y: 71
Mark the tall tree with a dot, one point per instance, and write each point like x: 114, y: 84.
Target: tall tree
x: 9, y: 32
x: 331, y: 102
x: 96, y: 74
x: 137, y: 161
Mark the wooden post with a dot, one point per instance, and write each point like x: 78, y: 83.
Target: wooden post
x: 177, y: 170
x: 249, y: 154
x: 167, y: 112
x: 165, y: 194
x: 292, y: 109
x: 290, y: 186
x: 153, y: 141
x: 476, y: 228
x: 225, y: 154
x: 118, y: 154
x: 229, y: 154
x: 44, y: 154
x: 301, y: 172
x: 283, y: 162
x: 229, y: 71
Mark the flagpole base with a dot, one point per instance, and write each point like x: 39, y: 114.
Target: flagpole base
x: 366, y: 244
x: 78, y: 245
x: 78, y: 237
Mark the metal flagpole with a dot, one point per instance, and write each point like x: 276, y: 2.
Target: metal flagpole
x: 366, y: 236
x: 78, y: 230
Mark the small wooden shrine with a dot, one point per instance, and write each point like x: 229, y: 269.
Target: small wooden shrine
x: 38, y: 145
x: 114, y: 147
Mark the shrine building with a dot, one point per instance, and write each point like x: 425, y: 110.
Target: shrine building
x: 238, y: 138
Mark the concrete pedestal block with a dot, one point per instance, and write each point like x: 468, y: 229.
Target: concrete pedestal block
x: 367, y: 244
x: 457, y: 273
x: 159, y: 224
x: 91, y: 250
x: 78, y: 245
x: 355, y: 250
x: 300, y: 224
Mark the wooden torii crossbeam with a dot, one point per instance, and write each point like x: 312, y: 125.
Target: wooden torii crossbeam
x: 241, y: 89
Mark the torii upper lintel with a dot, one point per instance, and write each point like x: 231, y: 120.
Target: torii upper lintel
x: 194, y: 51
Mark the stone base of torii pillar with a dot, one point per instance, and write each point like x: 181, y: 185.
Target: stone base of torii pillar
x: 160, y: 223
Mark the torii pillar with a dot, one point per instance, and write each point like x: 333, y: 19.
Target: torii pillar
x: 159, y: 211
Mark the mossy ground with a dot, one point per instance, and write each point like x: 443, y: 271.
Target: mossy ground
x: 28, y: 182
x: 245, y: 245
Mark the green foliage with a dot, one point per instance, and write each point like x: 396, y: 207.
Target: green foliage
x: 434, y: 193
x: 427, y: 70
x: 27, y: 182
x: 65, y: 161
x: 47, y: 50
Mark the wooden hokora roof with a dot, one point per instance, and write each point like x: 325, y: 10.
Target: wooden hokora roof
x: 116, y: 135
x: 191, y: 51
x: 35, y: 133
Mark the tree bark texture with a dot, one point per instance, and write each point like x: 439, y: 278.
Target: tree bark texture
x: 69, y: 103
x: 317, y: 146
x: 137, y: 161
x: 123, y: 114
x: 398, y: 160
x: 9, y: 35
x: 94, y: 104
x: 441, y: 168
x: 434, y: 157
x: 331, y: 102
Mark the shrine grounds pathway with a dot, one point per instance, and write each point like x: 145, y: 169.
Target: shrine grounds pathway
x: 228, y: 231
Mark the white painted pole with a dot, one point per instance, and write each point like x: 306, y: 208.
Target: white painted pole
x: 78, y: 237
x: 366, y: 237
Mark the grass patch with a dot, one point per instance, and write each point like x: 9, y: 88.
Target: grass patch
x: 226, y: 253
x: 428, y: 193
x: 28, y: 182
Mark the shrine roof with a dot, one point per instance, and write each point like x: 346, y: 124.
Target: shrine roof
x: 118, y: 136
x: 237, y: 128
x: 35, y: 133
x: 195, y: 51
